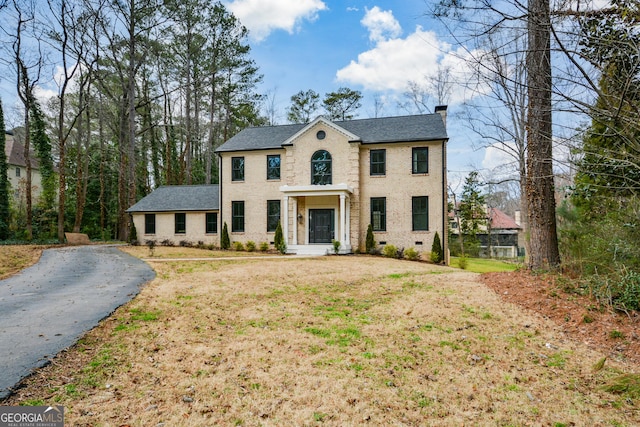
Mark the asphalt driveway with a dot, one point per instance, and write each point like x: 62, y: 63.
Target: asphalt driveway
x: 50, y: 305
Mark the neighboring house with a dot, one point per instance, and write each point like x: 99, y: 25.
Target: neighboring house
x: 17, y: 169
x: 328, y: 180
x: 178, y: 213
x: 501, y: 237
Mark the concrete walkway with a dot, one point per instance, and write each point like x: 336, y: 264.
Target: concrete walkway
x: 50, y: 305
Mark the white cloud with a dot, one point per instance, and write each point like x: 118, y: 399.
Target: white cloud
x: 262, y: 17
x: 381, y: 24
x: 393, y: 62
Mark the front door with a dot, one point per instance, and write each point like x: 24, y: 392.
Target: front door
x: 321, y: 225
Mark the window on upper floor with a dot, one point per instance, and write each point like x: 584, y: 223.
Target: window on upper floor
x: 211, y: 222
x: 273, y: 166
x: 420, y: 162
x: 377, y: 162
x: 180, y: 223
x: 420, y: 213
x: 379, y: 213
x: 237, y: 217
x: 321, y: 168
x: 237, y: 169
x: 273, y: 214
x: 17, y: 172
x: 149, y: 223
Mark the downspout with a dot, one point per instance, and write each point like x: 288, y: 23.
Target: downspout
x: 220, y: 222
x: 442, y: 110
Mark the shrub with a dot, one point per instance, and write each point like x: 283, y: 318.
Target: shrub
x: 200, y: 244
x: 370, y: 241
x: 238, y: 246
x: 336, y: 246
x: 390, y: 251
x: 251, y: 246
x: 411, y: 254
x: 264, y: 247
x: 186, y: 243
x: 225, y: 242
x: 278, y: 240
x: 152, y: 247
x: 463, y: 262
x: 167, y: 242
x: 133, y: 236
x: 400, y: 253
x: 436, y: 255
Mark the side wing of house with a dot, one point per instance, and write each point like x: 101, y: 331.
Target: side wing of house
x: 178, y: 215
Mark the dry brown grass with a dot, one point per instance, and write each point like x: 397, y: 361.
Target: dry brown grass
x: 326, y: 341
x: 14, y: 258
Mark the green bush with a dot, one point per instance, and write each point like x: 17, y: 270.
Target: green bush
x: 336, y: 246
x: 264, y: 247
x: 251, y: 246
x: 225, y: 242
x: 411, y: 254
x: 390, y: 251
x: 437, y: 254
x: 370, y: 244
x: 238, y: 246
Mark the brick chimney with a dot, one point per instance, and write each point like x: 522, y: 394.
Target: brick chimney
x: 442, y: 110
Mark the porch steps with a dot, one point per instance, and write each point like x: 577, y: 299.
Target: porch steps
x: 318, y: 250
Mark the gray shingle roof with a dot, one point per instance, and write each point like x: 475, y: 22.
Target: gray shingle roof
x: 179, y: 198
x: 425, y: 127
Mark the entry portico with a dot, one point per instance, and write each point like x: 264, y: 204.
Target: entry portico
x: 321, y: 213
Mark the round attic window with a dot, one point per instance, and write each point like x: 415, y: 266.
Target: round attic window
x: 321, y: 134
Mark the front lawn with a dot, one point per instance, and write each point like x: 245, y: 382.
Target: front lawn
x: 485, y: 265
x: 326, y: 341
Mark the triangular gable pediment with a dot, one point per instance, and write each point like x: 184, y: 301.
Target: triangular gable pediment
x: 321, y: 120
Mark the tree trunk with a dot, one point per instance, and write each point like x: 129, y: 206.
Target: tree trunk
x: 543, y: 242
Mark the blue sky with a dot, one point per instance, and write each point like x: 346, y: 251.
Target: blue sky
x: 375, y: 47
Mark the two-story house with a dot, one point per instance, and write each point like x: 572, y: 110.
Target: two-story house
x: 324, y: 181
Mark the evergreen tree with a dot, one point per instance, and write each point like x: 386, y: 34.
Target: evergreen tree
x: 42, y: 146
x: 303, y: 105
x: 437, y: 254
x: 341, y: 105
x: 225, y: 242
x: 370, y: 244
x: 4, y: 182
x: 471, y: 211
x: 279, y: 241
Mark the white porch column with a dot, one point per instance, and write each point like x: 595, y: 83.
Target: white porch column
x: 348, y: 226
x: 285, y: 220
x: 294, y: 204
x: 343, y: 222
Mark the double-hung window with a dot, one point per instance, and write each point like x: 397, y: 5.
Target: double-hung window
x: 420, y: 160
x: 379, y: 213
x: 273, y: 166
x: 273, y: 214
x: 180, y: 223
x: 237, y: 216
x: 149, y: 223
x: 377, y: 162
x: 211, y: 223
x: 420, y: 213
x: 237, y: 169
